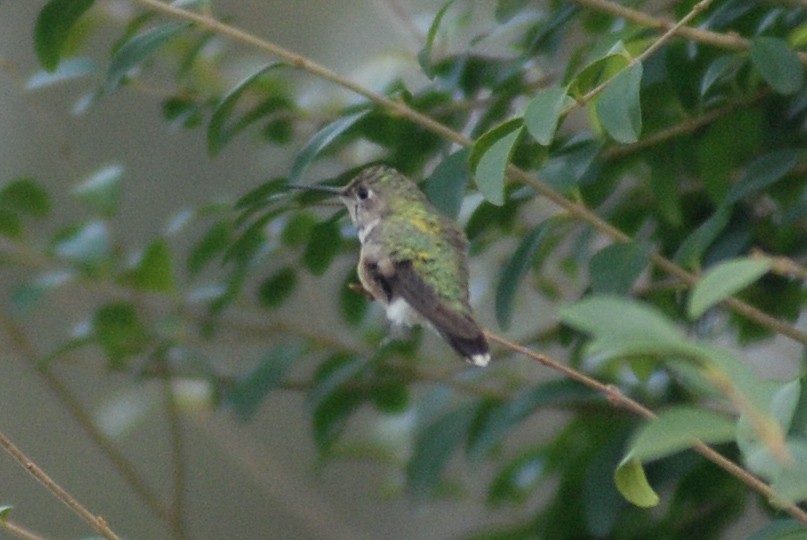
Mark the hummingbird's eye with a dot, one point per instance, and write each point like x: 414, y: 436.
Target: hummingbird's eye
x: 362, y: 193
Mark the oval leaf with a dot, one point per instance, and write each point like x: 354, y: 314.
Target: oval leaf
x: 323, y: 247
x: 154, y: 271
x: 25, y: 196
x: 137, y: 49
x: 763, y: 172
x: 275, y: 289
x: 251, y: 388
x: 778, y: 64
x: 615, y: 268
x: 101, y: 190
x: 723, y: 280
x: 320, y: 141
x: 446, y: 186
x: 633, y: 485
x: 543, y: 113
x: 514, y: 271
x: 489, y: 157
x: 425, y: 54
x: 619, y: 108
x: 53, y: 26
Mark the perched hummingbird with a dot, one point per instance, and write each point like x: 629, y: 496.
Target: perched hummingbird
x: 413, y: 259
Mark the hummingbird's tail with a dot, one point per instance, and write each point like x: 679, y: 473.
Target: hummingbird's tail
x: 475, y: 350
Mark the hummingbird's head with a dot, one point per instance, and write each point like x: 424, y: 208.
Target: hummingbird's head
x: 376, y: 192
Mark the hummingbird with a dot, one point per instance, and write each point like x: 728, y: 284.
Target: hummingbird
x: 413, y: 259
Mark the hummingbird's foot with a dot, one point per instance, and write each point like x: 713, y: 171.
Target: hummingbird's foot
x: 359, y: 289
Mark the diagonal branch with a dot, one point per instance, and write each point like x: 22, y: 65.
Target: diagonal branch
x: 577, y: 210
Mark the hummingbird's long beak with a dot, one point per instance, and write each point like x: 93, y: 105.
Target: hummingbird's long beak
x: 322, y: 189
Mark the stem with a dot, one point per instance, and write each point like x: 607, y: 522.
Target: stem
x: 96, y: 522
x: 397, y: 108
x: 18, y: 530
x: 177, y: 514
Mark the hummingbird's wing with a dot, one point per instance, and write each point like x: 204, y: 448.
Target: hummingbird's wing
x: 457, y: 327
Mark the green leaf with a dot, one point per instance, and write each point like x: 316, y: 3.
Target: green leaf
x: 778, y: 64
x: 137, y: 49
x: 277, y: 288
x: 154, y: 271
x: 445, y: 188
x: 5, y: 511
x: 251, y: 388
x: 543, y: 114
x: 517, y: 480
x: 614, y: 61
x: 691, y: 250
x: 677, y: 429
x: 425, y: 54
x: 326, y: 240
x: 724, y: 280
x: 616, y: 267
x: 621, y: 326
x: 70, y: 69
x: 496, y: 419
x: 433, y: 447
x: 120, y: 332
x: 218, y: 132
x: 352, y: 304
x: 87, y: 245
x: 489, y: 157
x: 53, y: 27
x: 25, y: 196
x: 763, y: 172
x: 632, y: 484
x: 27, y: 295
x: 514, y: 271
x: 101, y: 190
x: 619, y: 107
x: 332, y: 414
x: 211, y: 245
x: 320, y: 141
x: 10, y: 224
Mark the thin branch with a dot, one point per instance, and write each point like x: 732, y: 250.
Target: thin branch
x: 19, y: 531
x: 398, y: 108
x: 615, y: 396
x: 96, y: 522
x: 74, y: 407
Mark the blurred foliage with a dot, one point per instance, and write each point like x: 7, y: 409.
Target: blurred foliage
x: 695, y: 152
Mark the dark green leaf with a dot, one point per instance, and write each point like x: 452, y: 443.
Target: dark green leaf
x: 763, y: 172
x: 615, y: 268
x: 53, y: 27
x: 514, y: 271
x: 332, y: 414
x: 72, y: 68
x: 543, y: 113
x: 25, y: 196
x: 218, y: 132
x: 616, y: 60
x: 320, y: 141
x: 275, y: 289
x: 724, y: 280
x: 154, y: 271
x: 692, y: 249
x: 137, y: 49
x: 517, y: 480
x: 326, y: 240
x: 338, y: 370
x: 10, y: 224
x: 87, y: 245
x: 445, y: 188
x: 27, y: 295
x: 120, y: 332
x: 433, y: 447
x: 425, y: 54
x: 210, y: 246
x: 778, y: 64
x: 251, y: 388
x: 298, y: 228
x: 101, y: 190
x: 632, y: 484
x: 489, y: 157
x: 352, y: 304
x: 619, y: 108
x: 5, y: 511
x: 496, y: 419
